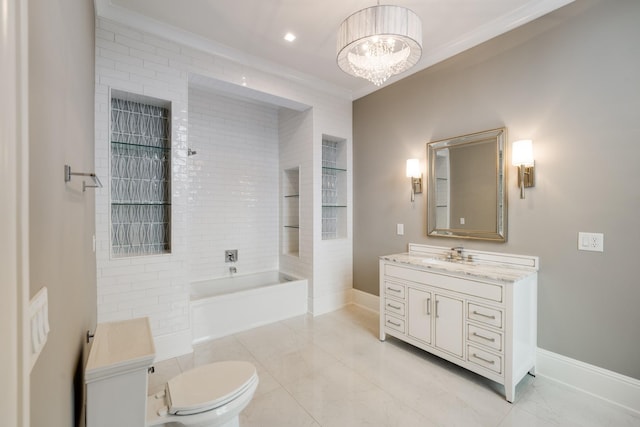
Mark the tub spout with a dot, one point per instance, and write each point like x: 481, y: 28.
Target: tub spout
x: 233, y: 270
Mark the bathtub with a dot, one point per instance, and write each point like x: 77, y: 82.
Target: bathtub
x: 221, y: 307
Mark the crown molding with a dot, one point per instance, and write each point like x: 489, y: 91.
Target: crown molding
x: 524, y: 14
x: 107, y: 10
x: 505, y: 23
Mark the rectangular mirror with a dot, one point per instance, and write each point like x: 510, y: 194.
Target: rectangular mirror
x: 466, y: 186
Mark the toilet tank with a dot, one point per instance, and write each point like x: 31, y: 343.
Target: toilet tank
x: 116, y: 373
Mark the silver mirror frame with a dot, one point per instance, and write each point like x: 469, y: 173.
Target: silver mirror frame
x: 499, y: 234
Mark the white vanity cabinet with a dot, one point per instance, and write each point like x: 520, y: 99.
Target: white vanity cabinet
x: 427, y: 308
x: 481, y: 316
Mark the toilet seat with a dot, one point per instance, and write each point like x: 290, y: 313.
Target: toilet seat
x: 208, y: 386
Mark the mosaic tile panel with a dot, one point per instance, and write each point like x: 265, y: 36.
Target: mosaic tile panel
x: 140, y: 179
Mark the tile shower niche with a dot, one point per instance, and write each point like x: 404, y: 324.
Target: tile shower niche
x: 140, y: 175
x: 334, y: 188
x: 291, y: 212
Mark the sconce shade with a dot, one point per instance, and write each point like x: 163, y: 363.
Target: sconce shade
x: 522, y: 157
x: 522, y: 153
x: 413, y: 168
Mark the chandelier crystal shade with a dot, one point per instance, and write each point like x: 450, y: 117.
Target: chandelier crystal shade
x: 379, y: 42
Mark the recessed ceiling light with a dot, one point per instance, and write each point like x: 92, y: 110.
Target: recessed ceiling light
x: 289, y: 37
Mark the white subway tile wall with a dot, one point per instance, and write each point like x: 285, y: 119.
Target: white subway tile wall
x: 158, y: 286
x: 296, y: 151
x: 233, y: 185
x: 154, y: 286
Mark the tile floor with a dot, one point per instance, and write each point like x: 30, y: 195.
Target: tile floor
x: 332, y: 370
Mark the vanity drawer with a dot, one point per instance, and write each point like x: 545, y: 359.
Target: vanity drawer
x: 485, y: 359
x: 485, y: 290
x: 394, y: 290
x: 394, y: 323
x: 487, y: 315
x: 484, y: 337
x: 393, y: 306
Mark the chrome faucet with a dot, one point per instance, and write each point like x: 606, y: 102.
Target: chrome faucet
x: 232, y: 270
x: 456, y: 253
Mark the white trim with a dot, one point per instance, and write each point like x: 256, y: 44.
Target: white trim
x: 14, y: 197
x: 23, y: 212
x: 365, y: 300
x: 9, y: 208
x: 607, y: 385
x: 328, y: 303
x: 107, y: 10
x: 524, y: 14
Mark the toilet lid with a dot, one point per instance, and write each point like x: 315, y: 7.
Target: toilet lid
x: 208, y: 386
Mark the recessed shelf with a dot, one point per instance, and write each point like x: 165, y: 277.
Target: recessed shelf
x: 150, y: 147
x: 140, y: 204
x: 334, y: 188
x: 291, y: 212
x: 140, y: 177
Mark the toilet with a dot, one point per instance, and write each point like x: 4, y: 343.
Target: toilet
x: 120, y: 358
x: 211, y: 395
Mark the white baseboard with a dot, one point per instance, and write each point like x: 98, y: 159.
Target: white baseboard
x: 327, y: 303
x: 366, y: 300
x: 607, y: 385
x: 173, y: 345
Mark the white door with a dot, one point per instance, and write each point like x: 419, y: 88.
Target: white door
x: 420, y: 309
x: 449, y: 324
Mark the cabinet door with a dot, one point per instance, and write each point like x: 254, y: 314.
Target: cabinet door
x: 420, y: 307
x: 449, y: 324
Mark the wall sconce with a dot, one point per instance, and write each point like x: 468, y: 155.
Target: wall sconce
x: 413, y: 172
x: 522, y: 157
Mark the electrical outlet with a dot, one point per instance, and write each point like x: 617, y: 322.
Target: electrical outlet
x: 593, y: 242
x: 400, y: 229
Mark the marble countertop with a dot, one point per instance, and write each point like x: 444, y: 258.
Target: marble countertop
x: 476, y: 270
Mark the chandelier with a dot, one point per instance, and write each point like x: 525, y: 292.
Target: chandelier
x: 379, y: 42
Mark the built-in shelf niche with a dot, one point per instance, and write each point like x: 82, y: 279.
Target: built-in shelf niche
x: 140, y: 175
x: 334, y: 188
x: 291, y: 212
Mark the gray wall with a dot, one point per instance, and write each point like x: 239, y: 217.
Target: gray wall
x: 570, y: 81
x: 61, y: 222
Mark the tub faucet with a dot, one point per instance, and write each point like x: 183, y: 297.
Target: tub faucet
x: 233, y: 270
x: 456, y: 253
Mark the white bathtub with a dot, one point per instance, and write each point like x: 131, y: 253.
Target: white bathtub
x: 221, y: 307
